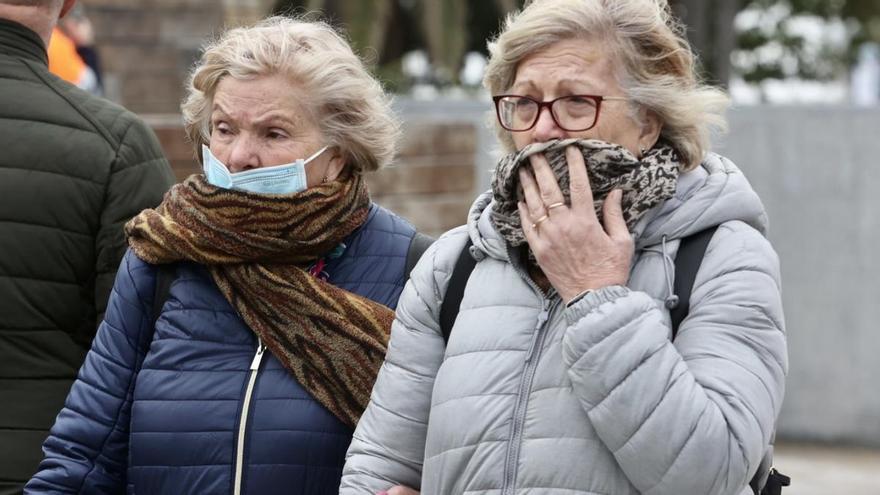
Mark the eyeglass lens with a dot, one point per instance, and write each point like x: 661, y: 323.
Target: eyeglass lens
x: 572, y: 113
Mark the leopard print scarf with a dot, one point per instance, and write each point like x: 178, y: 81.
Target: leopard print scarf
x: 256, y: 247
x: 645, y: 183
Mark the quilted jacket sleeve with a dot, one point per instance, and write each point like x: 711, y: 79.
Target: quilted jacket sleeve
x: 139, y: 177
x: 87, y: 448
x: 693, y: 416
x: 388, y: 447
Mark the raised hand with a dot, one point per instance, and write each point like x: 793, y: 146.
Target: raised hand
x: 573, y: 249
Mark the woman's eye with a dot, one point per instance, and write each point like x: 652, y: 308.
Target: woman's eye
x: 276, y: 135
x: 222, y: 129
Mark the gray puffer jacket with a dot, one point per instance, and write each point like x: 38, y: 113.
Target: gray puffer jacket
x: 531, y: 397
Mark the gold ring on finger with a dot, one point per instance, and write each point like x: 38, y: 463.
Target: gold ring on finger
x: 538, y: 222
x: 556, y: 205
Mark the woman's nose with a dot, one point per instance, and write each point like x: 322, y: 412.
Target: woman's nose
x: 243, y: 155
x: 546, y: 128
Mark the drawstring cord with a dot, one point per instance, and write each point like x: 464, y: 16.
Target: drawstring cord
x: 671, y: 301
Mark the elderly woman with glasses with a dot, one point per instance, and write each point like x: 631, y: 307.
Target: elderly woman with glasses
x: 561, y: 374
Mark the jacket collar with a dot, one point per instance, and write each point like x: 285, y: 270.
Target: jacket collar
x: 19, y: 41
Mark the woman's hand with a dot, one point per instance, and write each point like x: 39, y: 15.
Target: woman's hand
x: 399, y: 490
x: 572, y: 248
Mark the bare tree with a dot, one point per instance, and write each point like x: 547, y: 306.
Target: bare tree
x: 710, y: 31
x: 725, y: 39
x: 506, y: 6
x: 445, y: 26
x: 367, y: 23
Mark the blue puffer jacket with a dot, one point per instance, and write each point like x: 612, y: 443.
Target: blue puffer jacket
x: 155, y: 412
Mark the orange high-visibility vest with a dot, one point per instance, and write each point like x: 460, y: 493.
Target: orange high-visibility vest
x: 64, y: 61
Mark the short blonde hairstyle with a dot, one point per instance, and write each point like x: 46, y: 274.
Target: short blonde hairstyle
x: 656, y: 67
x: 349, y: 106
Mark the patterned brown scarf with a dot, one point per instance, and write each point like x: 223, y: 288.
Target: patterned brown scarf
x: 645, y: 183
x: 256, y: 248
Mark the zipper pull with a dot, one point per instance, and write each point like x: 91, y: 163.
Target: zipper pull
x: 542, y: 318
x: 543, y: 315
x: 258, y: 357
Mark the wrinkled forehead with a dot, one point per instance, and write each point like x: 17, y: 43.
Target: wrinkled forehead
x: 260, y: 98
x: 579, y: 64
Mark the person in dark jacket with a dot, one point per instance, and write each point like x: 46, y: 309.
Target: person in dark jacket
x: 284, y: 280
x: 73, y: 169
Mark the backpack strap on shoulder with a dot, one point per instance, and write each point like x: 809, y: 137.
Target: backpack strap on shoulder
x: 687, y: 264
x: 691, y: 250
x: 455, y: 290
x: 165, y: 275
x: 417, y: 247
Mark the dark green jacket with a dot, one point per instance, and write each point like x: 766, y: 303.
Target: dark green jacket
x: 73, y: 169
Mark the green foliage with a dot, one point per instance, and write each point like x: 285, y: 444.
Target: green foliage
x: 814, y: 59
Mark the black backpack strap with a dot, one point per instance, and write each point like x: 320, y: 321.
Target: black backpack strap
x: 417, y: 247
x: 165, y: 275
x: 455, y: 290
x: 775, y: 482
x: 687, y: 264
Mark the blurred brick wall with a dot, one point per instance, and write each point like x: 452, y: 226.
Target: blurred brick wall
x: 179, y: 151
x: 431, y: 183
x: 147, y: 47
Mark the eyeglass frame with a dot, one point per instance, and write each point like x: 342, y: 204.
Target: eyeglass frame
x: 598, y: 99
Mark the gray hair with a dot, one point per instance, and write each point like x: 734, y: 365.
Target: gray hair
x: 350, y: 107
x: 656, y: 67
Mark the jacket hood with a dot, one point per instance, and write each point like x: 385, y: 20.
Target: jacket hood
x: 711, y: 194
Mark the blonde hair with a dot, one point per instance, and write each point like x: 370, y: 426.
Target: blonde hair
x: 349, y: 106
x: 657, y: 70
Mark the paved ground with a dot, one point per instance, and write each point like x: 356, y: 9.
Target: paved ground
x: 829, y: 470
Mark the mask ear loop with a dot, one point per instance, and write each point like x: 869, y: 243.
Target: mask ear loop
x: 324, y: 179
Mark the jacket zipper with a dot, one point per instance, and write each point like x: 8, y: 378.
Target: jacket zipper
x: 245, y: 409
x: 548, y: 304
x: 522, y: 399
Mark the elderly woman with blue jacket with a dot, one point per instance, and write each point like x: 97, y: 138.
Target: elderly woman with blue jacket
x: 560, y: 374
x: 283, y: 277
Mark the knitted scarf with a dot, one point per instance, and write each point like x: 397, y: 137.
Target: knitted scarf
x: 256, y: 247
x: 645, y: 183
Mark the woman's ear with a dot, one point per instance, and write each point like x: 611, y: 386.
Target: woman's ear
x: 335, y: 165
x: 651, y: 127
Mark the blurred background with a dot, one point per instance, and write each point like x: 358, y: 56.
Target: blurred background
x: 804, y: 76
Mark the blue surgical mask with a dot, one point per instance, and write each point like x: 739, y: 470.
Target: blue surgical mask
x: 289, y: 178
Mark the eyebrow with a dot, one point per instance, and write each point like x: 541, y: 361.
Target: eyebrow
x: 269, y: 118
x: 529, y: 84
